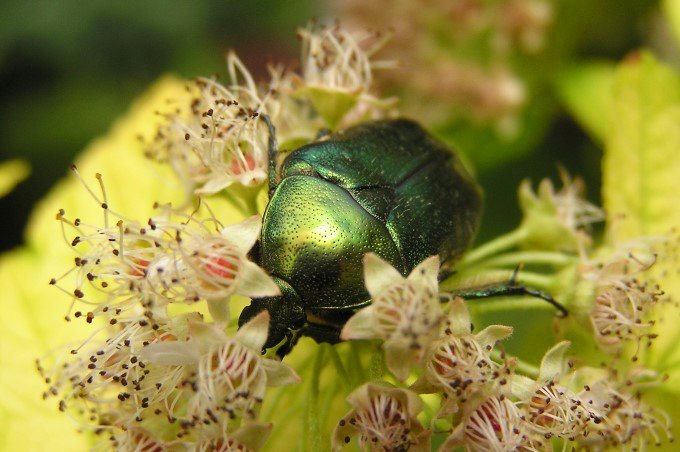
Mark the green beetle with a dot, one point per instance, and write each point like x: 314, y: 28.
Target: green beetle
x: 387, y: 187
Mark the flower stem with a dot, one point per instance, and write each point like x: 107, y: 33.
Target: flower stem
x: 495, y: 246
x: 530, y: 257
x: 489, y: 306
x: 535, y: 280
x: 251, y: 204
x: 340, y: 367
x: 313, y: 431
x: 356, y: 368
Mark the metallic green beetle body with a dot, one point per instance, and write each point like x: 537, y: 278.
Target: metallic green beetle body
x: 386, y: 187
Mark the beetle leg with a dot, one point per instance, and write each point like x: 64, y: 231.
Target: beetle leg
x: 291, y: 338
x: 317, y: 331
x: 507, y: 289
x: 445, y: 272
x: 322, y: 332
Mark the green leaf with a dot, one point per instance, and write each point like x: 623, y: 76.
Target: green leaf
x: 132, y: 181
x: 32, y: 320
x: 31, y: 324
x: 641, y: 163
x: 586, y: 91
x: 641, y: 183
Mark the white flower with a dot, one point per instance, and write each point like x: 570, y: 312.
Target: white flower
x: 337, y: 72
x: 405, y: 312
x: 128, y: 270
x: 111, y: 378
x: 627, y: 421
x: 215, y: 266
x: 551, y: 408
x: 494, y: 425
x: 385, y: 419
x: 333, y: 58
x: 229, y: 376
x: 218, y: 139
x: 459, y: 363
x: 625, y: 296
x: 250, y: 437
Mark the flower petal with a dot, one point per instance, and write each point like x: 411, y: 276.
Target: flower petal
x: 459, y: 317
x: 522, y: 387
x: 205, y: 334
x: 492, y: 334
x: 423, y: 386
x: 399, y: 357
x: 426, y: 273
x: 171, y: 353
x: 244, y: 234
x: 252, y: 435
x: 219, y: 309
x: 254, y: 333
x: 279, y: 374
x: 213, y: 186
x: 253, y: 281
x: 449, y: 406
x: 344, y: 430
x: 379, y: 274
x: 552, y: 364
x: 360, y: 325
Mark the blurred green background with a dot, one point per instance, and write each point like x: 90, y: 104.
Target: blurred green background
x: 69, y: 68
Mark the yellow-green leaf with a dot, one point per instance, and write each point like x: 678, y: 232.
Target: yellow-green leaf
x: 586, y: 91
x: 332, y: 105
x: 132, y: 181
x: 641, y: 188
x: 32, y: 321
x: 641, y: 165
x: 671, y: 9
x: 12, y: 172
x: 32, y: 324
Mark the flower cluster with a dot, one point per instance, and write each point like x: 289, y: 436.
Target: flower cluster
x: 173, y: 257
x: 385, y: 419
x: 143, y: 364
x: 218, y: 138
x: 162, y: 367
x: 626, y: 297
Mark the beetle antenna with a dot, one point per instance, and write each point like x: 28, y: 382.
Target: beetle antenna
x: 273, y: 176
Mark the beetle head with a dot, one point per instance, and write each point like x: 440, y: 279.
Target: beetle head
x: 285, y: 313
